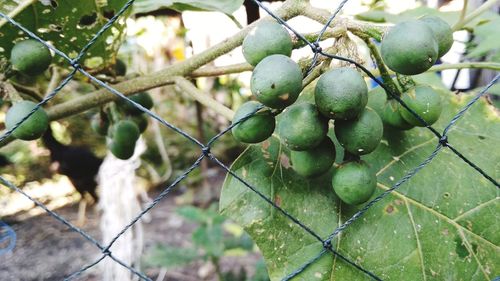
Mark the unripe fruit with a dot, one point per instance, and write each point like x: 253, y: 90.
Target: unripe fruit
x: 391, y: 116
x: 255, y: 129
x: 341, y: 93
x: 33, y: 127
x: 276, y: 81
x: 442, y: 32
x: 302, y: 127
x: 125, y: 131
x: 388, y: 110
x: 360, y: 136
x: 124, y: 135
x: 143, y: 99
x: 120, y: 68
x: 315, y: 161
x: 409, y: 47
x: 267, y: 38
x: 354, y: 182
x: 424, y: 101
x: 121, y: 151
x: 30, y: 57
x: 141, y: 120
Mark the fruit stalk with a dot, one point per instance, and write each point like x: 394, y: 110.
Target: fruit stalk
x: 384, y: 72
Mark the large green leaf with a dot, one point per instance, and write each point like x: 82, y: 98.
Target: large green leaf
x: 225, y: 6
x: 68, y: 25
x: 440, y: 225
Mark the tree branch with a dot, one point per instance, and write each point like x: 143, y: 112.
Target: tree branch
x: 289, y: 9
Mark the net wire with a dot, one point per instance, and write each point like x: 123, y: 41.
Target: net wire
x: 441, y: 143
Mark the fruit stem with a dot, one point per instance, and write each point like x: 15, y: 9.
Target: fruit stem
x: 384, y: 72
x: 113, y: 113
x: 406, y: 82
x: 474, y: 14
x: 184, y: 86
x: 11, y: 92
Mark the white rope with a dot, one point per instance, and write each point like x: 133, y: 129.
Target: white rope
x: 119, y: 204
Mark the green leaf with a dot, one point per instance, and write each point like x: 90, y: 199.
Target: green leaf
x: 170, y: 256
x: 210, y: 239
x: 224, y: 6
x: 440, y: 225
x: 68, y: 25
x: 486, y: 42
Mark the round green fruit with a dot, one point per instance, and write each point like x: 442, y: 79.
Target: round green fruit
x: 121, y: 150
x: 120, y: 68
x: 125, y: 132
x: 315, y: 161
x: 33, y: 127
x: 276, y: 81
x: 143, y: 99
x: 141, y: 121
x: 424, y: 101
x: 302, y: 127
x: 267, y: 38
x: 442, y: 32
x: 99, y: 124
x: 341, y: 93
x: 255, y: 129
x: 30, y: 57
x: 409, y: 48
x: 391, y: 116
x: 360, y: 136
x: 354, y: 182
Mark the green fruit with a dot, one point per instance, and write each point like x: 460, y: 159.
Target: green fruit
x: 125, y: 132
x: 425, y: 101
x: 276, y: 81
x: 30, y: 57
x: 341, y: 93
x: 121, y: 151
x: 360, y: 136
x: 255, y: 129
x: 267, y: 38
x: 391, y: 116
x: 99, y: 124
x: 442, y: 32
x: 120, y: 68
x: 302, y: 127
x: 377, y: 99
x: 143, y: 99
x: 141, y: 121
x: 33, y: 127
x: 315, y: 161
x: 354, y: 182
x: 409, y: 47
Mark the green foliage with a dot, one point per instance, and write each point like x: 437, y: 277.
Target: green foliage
x: 210, y: 243
x: 438, y: 224
x: 69, y: 25
x: 224, y: 6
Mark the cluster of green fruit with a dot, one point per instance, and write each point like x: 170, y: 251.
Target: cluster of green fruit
x: 410, y: 48
x: 341, y: 95
x: 31, y: 58
x: 123, y: 123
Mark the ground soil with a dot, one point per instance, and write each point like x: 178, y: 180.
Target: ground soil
x: 48, y: 250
